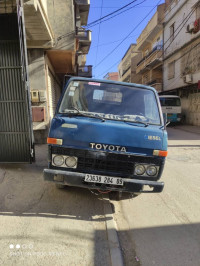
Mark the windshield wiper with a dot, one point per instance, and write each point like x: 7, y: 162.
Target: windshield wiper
x: 82, y: 113
x: 102, y: 118
x: 137, y: 121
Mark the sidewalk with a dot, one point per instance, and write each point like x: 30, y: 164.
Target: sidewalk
x: 188, y: 128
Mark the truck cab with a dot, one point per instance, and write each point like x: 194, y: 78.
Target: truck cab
x: 107, y: 136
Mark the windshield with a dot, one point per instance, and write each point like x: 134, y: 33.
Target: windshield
x: 111, y: 101
x: 170, y: 101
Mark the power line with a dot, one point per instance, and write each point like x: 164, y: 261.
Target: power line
x: 128, y: 34
x: 181, y: 24
x: 110, y: 14
x: 99, y: 33
x: 112, y: 6
x: 103, y: 44
x: 187, y: 17
x: 95, y: 24
x: 188, y: 52
x: 110, y: 68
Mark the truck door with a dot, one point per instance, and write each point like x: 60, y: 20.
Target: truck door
x: 16, y: 134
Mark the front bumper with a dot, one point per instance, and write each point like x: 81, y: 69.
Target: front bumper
x: 77, y: 180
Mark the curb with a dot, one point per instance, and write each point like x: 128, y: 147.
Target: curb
x: 114, y: 245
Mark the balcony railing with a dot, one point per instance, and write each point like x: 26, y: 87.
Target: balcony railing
x: 156, y: 84
x: 82, y: 2
x: 83, y: 7
x: 153, y: 58
x: 125, y: 71
x: 158, y: 47
x: 83, y: 35
x: 85, y: 71
x: 84, y: 40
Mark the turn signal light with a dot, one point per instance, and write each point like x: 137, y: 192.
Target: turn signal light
x: 54, y: 141
x: 160, y: 153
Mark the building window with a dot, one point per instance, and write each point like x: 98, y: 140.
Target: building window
x: 171, y: 70
x: 172, y: 32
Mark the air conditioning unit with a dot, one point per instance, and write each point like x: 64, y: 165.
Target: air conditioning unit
x: 188, y: 78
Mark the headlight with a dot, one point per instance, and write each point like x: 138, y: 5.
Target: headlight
x: 139, y: 169
x: 151, y: 170
x: 58, y: 160
x: 71, y: 162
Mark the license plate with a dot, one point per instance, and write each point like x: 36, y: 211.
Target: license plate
x: 103, y: 179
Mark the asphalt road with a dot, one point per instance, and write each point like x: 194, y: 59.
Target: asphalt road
x: 41, y: 225
x: 164, y: 229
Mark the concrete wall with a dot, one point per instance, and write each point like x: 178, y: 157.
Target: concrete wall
x: 62, y: 19
x: 36, y: 69
x: 37, y: 77
x: 126, y: 63
x: 135, y: 78
x: 191, y: 108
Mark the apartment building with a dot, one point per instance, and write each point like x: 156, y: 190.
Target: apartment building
x: 41, y: 41
x: 112, y: 76
x: 150, y: 44
x: 182, y: 55
x: 124, y: 67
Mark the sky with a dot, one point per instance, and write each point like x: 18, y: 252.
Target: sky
x: 106, y: 36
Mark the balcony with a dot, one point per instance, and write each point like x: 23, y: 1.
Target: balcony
x: 152, y: 29
x: 126, y: 70
x: 156, y: 84
x: 39, y: 33
x: 151, y: 60
x: 63, y: 61
x: 83, y: 10
x: 84, y: 40
x: 85, y: 71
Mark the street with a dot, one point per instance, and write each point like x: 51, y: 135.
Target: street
x: 164, y: 229
x: 41, y: 225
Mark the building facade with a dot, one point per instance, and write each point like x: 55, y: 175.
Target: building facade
x: 135, y: 58
x: 182, y: 56
x: 150, y: 44
x: 124, y: 67
x: 112, y: 76
x: 41, y: 41
x: 61, y: 53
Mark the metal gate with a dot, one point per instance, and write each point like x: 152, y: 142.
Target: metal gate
x: 16, y: 135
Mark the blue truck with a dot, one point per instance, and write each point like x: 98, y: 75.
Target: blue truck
x: 107, y: 136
